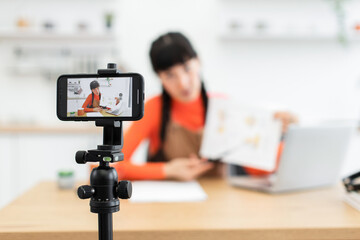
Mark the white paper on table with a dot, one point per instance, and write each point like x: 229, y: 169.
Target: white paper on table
x: 94, y: 114
x: 167, y: 191
x: 241, y: 134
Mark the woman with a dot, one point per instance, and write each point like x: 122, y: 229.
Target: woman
x: 173, y: 121
x: 92, y: 102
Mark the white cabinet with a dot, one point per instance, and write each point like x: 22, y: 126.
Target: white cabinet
x: 26, y: 158
x: 8, y: 154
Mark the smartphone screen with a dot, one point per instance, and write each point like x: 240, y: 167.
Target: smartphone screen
x: 91, y: 97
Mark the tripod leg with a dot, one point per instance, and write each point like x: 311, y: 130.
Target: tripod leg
x: 105, y: 226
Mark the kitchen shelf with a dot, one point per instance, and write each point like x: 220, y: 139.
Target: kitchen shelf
x: 273, y: 37
x: 50, y: 36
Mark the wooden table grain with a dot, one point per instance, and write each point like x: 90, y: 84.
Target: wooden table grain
x: 45, y: 212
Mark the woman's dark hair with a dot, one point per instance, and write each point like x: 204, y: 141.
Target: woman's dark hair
x: 166, y: 51
x: 94, y: 84
x: 170, y: 49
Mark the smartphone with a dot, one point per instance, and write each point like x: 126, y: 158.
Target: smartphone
x: 89, y: 97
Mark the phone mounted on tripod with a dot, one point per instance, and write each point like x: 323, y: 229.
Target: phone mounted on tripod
x: 105, y: 189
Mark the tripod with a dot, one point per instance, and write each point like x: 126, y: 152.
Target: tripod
x: 104, y: 189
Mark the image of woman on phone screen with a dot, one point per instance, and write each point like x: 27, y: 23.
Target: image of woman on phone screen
x: 92, y: 102
x: 173, y: 121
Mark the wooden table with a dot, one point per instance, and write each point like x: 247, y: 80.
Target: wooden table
x: 36, y: 129
x: 103, y: 112
x: 230, y: 213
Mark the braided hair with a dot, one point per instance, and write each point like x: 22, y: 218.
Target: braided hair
x: 166, y: 51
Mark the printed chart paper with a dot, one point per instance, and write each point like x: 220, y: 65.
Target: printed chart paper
x: 241, y: 134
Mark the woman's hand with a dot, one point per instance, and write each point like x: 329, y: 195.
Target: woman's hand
x: 187, y: 169
x: 286, y: 118
x: 97, y: 109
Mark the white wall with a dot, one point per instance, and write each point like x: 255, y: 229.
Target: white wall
x: 316, y: 78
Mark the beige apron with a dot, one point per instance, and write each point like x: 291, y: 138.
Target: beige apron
x: 96, y: 103
x: 180, y: 143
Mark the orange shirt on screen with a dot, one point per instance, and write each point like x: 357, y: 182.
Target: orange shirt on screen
x: 88, y: 102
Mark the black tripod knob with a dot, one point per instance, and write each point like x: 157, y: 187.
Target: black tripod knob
x: 85, y: 191
x: 124, y: 189
x: 80, y: 157
x: 111, y: 65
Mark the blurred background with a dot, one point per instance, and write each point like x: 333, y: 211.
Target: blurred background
x: 297, y: 55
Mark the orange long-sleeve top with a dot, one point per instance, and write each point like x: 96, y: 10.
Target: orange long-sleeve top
x: 88, y: 102
x: 189, y: 115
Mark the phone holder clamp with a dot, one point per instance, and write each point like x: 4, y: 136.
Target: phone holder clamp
x: 111, y: 69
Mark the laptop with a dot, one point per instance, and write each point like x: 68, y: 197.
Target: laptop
x: 312, y: 157
x: 117, y: 110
